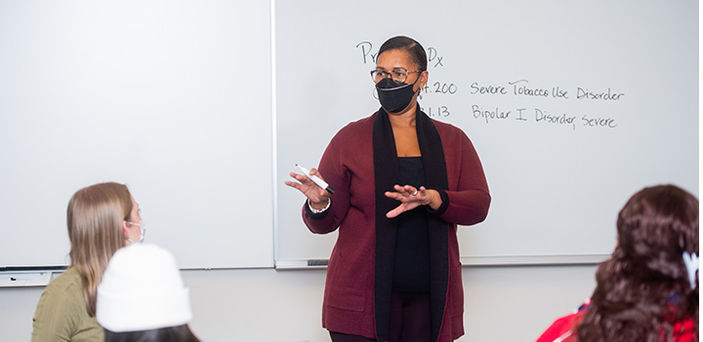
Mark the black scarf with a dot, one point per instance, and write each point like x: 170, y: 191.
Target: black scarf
x: 385, y: 162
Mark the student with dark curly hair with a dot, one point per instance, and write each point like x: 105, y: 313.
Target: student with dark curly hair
x: 648, y: 289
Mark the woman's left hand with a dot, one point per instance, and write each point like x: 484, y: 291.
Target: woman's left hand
x: 411, y: 198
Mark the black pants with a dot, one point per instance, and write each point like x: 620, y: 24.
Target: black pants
x: 410, y: 321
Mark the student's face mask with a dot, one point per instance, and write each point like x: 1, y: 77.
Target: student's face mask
x: 142, y: 231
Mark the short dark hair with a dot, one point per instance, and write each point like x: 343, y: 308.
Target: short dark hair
x: 416, y: 51
x: 179, y: 333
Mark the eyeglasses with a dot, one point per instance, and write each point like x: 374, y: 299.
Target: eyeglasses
x: 139, y: 224
x: 399, y: 74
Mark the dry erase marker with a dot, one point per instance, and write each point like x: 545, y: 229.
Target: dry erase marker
x: 315, y: 179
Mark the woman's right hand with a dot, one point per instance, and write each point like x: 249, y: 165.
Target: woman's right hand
x: 318, y: 196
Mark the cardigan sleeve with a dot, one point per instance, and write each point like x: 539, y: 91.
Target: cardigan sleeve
x: 337, y: 176
x: 469, y: 203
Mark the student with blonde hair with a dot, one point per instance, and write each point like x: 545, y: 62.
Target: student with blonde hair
x: 101, y: 219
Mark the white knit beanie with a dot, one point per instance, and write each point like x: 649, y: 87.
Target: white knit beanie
x: 142, y: 289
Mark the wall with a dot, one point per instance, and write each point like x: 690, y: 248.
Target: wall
x: 502, y: 303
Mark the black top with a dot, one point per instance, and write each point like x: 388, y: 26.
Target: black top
x: 411, y: 270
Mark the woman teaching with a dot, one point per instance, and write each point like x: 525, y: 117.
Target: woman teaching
x: 402, y: 182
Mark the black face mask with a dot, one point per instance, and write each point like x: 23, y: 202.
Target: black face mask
x: 393, y: 95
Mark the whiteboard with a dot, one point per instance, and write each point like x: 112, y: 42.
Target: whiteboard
x: 172, y: 98
x: 571, y: 106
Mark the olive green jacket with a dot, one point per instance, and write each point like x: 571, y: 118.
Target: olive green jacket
x: 61, y: 314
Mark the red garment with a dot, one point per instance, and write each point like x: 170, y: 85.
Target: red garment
x: 562, y: 330
x: 347, y: 165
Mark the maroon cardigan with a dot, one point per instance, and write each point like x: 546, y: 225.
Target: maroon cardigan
x: 348, y: 166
